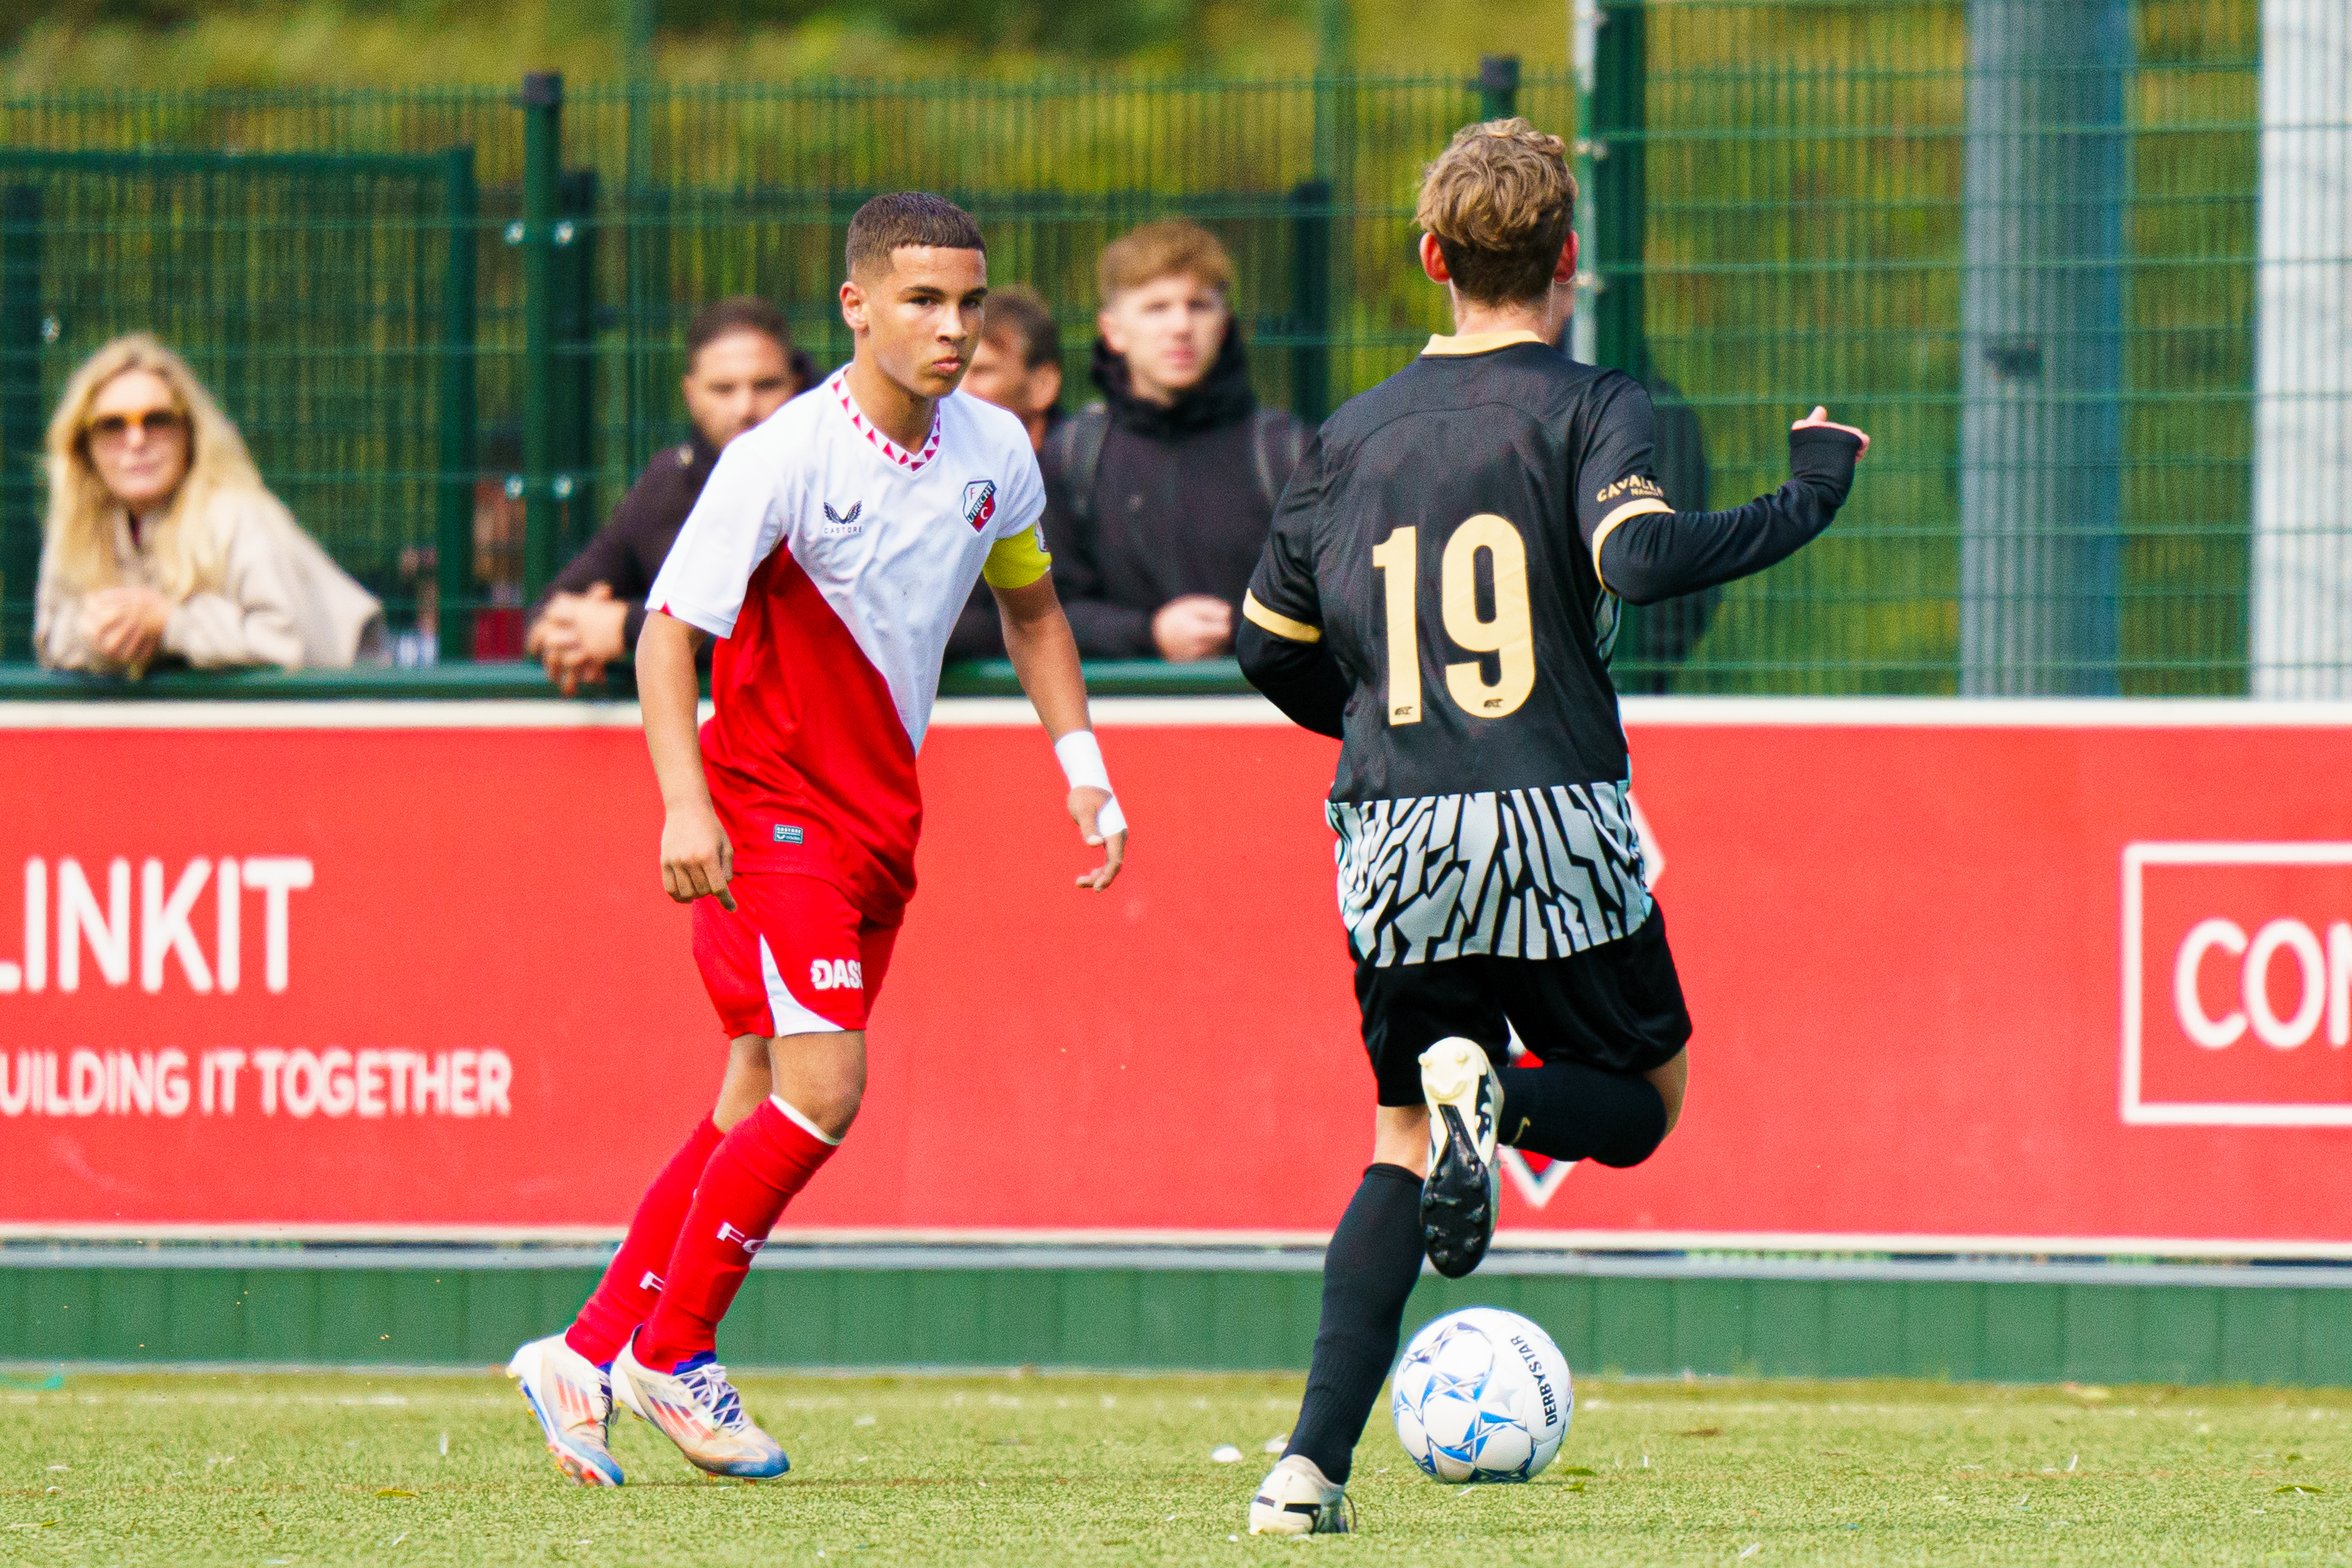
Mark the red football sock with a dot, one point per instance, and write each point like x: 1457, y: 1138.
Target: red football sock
x: 632, y: 1283
x: 766, y: 1159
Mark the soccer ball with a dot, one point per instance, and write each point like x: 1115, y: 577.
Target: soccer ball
x: 1482, y: 1396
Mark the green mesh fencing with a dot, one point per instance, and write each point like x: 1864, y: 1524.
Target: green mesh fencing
x: 318, y: 294
x: 2026, y: 261
x: 1808, y: 217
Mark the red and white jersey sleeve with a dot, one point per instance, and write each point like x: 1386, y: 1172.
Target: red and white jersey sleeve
x: 736, y: 524
x: 833, y: 564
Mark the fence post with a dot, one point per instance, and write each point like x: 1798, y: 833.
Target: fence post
x: 1583, y: 43
x: 576, y: 360
x: 2042, y: 347
x: 1334, y: 43
x: 2302, y: 600
x: 455, y: 585
x: 1330, y: 245
x: 542, y: 171
x: 1620, y: 64
x: 1498, y: 86
x: 20, y: 401
x: 1310, y: 301
x: 640, y: 231
x: 647, y: 242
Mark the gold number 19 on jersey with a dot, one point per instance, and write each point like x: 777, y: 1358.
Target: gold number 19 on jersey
x: 1509, y: 635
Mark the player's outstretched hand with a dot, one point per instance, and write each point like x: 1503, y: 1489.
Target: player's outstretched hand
x: 1086, y: 810
x: 696, y: 861
x: 1820, y: 419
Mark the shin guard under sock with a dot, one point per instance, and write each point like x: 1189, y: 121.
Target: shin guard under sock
x: 1570, y: 1111
x: 756, y: 1168
x: 632, y: 1283
x: 1367, y: 1271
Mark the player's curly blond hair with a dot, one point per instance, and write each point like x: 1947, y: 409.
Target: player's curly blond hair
x: 1500, y: 202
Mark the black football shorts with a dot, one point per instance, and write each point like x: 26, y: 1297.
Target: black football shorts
x: 1617, y: 1006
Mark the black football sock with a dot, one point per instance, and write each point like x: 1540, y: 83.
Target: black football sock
x: 1570, y: 1111
x: 1367, y: 1271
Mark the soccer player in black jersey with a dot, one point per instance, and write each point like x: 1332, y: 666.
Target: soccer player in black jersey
x: 1440, y: 592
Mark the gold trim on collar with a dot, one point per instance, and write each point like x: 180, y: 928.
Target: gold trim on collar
x: 1478, y: 343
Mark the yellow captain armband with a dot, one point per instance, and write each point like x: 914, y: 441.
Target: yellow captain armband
x: 1017, y: 562
x: 1277, y: 622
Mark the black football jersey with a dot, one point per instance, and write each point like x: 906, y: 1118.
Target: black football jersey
x: 1440, y: 536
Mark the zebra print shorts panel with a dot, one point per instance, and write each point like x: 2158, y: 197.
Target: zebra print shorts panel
x: 1526, y: 873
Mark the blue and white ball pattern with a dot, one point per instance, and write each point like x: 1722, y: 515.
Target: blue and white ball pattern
x: 1482, y: 1396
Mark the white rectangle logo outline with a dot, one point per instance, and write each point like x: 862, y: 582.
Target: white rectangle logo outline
x: 2137, y: 1112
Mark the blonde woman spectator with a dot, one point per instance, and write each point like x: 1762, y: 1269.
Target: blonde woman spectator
x: 162, y: 542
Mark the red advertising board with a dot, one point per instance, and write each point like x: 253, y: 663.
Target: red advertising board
x: 1978, y: 977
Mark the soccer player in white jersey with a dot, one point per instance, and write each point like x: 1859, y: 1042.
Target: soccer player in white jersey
x: 830, y: 553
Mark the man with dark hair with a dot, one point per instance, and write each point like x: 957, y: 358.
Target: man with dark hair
x: 1018, y: 364
x: 740, y: 367
x: 1440, y: 593
x: 827, y: 558
x: 1161, y: 492
x: 1018, y: 367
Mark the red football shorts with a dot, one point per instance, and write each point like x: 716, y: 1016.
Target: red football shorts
x: 796, y: 958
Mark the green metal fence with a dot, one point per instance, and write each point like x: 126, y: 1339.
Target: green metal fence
x: 256, y: 263
x: 1791, y: 202
x: 1807, y: 186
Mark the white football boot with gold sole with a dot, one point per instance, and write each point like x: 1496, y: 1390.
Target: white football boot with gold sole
x: 1296, y: 1498
x: 1461, y: 1195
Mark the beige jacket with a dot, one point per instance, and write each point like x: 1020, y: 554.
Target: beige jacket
x: 281, y: 601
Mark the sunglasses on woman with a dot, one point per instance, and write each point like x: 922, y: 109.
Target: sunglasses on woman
x: 153, y: 423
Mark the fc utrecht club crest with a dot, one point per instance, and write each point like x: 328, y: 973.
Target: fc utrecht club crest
x: 978, y: 503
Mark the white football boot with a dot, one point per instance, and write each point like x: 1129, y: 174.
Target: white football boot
x: 572, y: 1398
x: 698, y: 1410
x: 1462, y: 1193
x: 1296, y: 1500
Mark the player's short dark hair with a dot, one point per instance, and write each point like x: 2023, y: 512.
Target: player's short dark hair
x: 1019, y: 312
x: 1499, y: 201
x: 740, y: 313
x: 908, y: 217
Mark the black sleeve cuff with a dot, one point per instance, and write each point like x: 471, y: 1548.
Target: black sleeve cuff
x: 1301, y: 678
x: 1822, y: 456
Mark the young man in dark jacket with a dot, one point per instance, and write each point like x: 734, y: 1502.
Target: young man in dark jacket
x: 740, y: 367
x: 1159, y: 496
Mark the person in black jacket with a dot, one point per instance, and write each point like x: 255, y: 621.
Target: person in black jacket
x: 1159, y: 495
x: 740, y: 367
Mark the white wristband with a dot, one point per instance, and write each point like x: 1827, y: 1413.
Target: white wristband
x: 1082, y: 764
x: 1081, y: 759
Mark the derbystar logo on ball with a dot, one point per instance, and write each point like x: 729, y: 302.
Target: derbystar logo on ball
x: 1482, y: 1394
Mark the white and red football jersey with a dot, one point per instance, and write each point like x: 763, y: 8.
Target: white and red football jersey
x: 831, y: 565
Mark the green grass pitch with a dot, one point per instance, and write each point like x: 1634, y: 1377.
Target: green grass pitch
x: 1017, y: 1470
